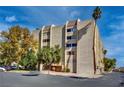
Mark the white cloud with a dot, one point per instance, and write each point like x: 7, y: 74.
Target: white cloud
x: 115, y: 48
x: 74, y: 14
x: 3, y: 27
x: 114, y: 43
x: 64, y: 13
x: 70, y: 12
x: 10, y: 19
x: 117, y: 26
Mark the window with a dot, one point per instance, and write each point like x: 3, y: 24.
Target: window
x: 46, y: 40
x: 71, y: 30
x: 68, y: 45
x: 46, y: 33
x: 71, y: 53
x: 68, y: 30
x: 74, y: 45
x: 73, y: 37
x: 69, y: 37
x: 71, y: 45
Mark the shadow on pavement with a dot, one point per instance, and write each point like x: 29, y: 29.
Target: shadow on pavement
x: 76, y: 77
x: 32, y: 73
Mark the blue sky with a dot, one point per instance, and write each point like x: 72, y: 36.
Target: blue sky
x: 111, y: 24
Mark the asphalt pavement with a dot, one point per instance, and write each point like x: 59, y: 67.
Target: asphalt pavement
x: 10, y: 79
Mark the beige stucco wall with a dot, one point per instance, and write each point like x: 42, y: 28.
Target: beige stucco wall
x: 84, y: 48
x: 56, y: 35
x: 98, y: 52
x: 85, y: 62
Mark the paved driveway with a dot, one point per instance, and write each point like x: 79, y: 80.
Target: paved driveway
x: 9, y: 79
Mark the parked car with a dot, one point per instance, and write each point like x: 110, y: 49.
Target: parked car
x: 115, y: 70
x: 21, y: 67
x: 13, y: 67
x: 2, y: 69
x: 8, y: 68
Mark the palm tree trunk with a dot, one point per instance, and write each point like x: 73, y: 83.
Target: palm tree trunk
x: 49, y: 69
x: 67, y: 64
x: 38, y: 66
x: 94, y: 56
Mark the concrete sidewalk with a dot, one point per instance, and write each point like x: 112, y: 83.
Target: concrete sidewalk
x: 66, y: 74
x: 69, y: 74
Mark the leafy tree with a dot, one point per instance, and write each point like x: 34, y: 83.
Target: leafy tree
x: 109, y: 63
x: 5, y: 56
x: 16, y: 43
x: 29, y: 61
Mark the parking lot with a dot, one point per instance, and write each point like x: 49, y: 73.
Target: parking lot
x: 10, y: 79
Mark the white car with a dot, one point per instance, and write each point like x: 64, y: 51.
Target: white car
x: 2, y: 69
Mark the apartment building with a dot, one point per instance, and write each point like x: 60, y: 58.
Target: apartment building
x: 83, y: 49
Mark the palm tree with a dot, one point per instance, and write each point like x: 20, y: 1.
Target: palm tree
x: 104, y: 52
x: 43, y: 56
x: 47, y: 56
x: 96, y: 15
x: 57, y: 54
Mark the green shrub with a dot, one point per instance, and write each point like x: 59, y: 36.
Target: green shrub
x: 66, y: 70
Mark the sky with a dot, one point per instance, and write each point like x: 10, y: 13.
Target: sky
x: 111, y: 23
